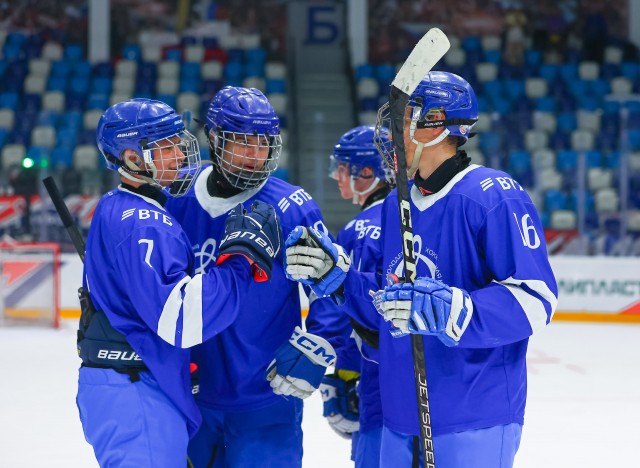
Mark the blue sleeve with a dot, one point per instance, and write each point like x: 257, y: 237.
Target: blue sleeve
x: 183, y: 310
x: 522, y: 295
x: 329, y: 321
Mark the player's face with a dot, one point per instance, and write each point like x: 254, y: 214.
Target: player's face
x: 343, y: 177
x: 168, y: 158
x: 423, y: 135
x: 362, y: 182
x: 246, y: 153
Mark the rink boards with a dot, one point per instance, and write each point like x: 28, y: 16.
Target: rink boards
x: 590, y: 288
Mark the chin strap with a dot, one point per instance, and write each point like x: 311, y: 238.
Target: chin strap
x: 356, y: 194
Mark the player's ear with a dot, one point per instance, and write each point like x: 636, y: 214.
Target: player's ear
x: 132, y: 160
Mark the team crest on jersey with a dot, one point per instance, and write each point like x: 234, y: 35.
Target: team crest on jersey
x: 424, y: 257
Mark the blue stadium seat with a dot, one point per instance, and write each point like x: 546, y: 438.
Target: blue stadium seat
x: 169, y: 99
x: 276, y: 85
x: 103, y: 69
x: 174, y: 54
x: 79, y: 85
x: 364, y: 71
x: 634, y: 139
x: 566, y: 121
x: 38, y: 154
x: 233, y: 71
x: 82, y: 68
x: 594, y: 158
x: 101, y: 85
x: 71, y: 119
x: 67, y: 137
x: 9, y: 100
x: 190, y: 85
x: 57, y: 83
x: 12, y: 52
x: 190, y: 70
x: 235, y: 55
x: 555, y: 200
x: 48, y: 118
x: 280, y: 173
x: 132, y: 52
x: 210, y: 87
x: 73, y: 52
x: 60, y: 68
x: 630, y: 70
x: 4, y: 135
x: 514, y: 88
x: 569, y: 72
x: 75, y: 101
x: 254, y: 69
x: 532, y: 58
x: 490, y: 142
x: 519, y: 162
x: 492, y: 56
x: 545, y: 104
x: 31, y: 103
x: 256, y: 55
x: 471, y: 43
x: 588, y: 199
x: 549, y: 71
x: 98, y: 101
x: 62, y: 156
x: 566, y: 160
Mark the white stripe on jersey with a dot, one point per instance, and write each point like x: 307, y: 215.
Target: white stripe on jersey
x: 192, y: 313
x: 532, y: 306
x: 192, y: 323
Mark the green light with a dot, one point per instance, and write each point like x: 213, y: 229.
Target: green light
x: 44, y: 163
x: 27, y: 163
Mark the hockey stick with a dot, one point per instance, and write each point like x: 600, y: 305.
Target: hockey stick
x: 431, y: 48
x: 65, y: 216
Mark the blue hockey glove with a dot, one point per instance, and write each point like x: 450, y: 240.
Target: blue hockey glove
x: 300, y: 364
x: 312, y: 259
x: 428, y: 307
x: 341, y: 401
x: 256, y: 235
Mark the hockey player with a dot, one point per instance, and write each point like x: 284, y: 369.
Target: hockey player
x: 483, y: 286
x: 245, y: 423
x: 361, y: 175
x: 145, y: 305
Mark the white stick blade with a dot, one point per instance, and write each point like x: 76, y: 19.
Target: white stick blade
x: 431, y: 48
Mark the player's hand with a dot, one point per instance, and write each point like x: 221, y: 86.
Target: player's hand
x: 312, y: 259
x: 256, y: 235
x: 300, y: 364
x: 428, y: 307
x: 341, y: 402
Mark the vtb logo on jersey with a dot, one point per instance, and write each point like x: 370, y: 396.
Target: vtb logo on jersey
x: 147, y: 214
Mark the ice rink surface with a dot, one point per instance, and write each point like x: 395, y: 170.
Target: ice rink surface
x: 583, y: 407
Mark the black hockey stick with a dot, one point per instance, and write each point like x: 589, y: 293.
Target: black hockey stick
x: 61, y: 207
x: 431, y: 48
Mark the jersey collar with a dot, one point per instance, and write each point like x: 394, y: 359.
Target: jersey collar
x: 147, y: 193
x: 423, y: 202
x: 217, y: 206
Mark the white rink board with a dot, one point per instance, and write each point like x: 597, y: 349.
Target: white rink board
x: 586, y: 284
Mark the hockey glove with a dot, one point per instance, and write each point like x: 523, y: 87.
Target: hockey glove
x: 341, y: 401
x: 300, y: 364
x: 257, y: 236
x: 428, y: 307
x: 312, y: 259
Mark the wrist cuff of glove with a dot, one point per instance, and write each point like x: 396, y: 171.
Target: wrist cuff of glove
x: 259, y: 273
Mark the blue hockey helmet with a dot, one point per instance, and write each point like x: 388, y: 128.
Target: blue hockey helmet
x: 244, y: 136
x: 444, y: 92
x: 146, y: 127
x: 358, y: 149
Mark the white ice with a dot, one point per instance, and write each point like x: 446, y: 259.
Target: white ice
x: 583, y: 408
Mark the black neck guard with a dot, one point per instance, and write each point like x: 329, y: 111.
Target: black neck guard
x: 218, y: 186
x: 443, y: 174
x: 376, y: 195
x: 148, y: 191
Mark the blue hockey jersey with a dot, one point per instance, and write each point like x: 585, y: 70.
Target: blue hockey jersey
x: 360, y: 239
x: 232, y: 365
x: 482, y: 233
x: 139, y: 271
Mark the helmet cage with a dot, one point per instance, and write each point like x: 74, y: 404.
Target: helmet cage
x: 245, y: 169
